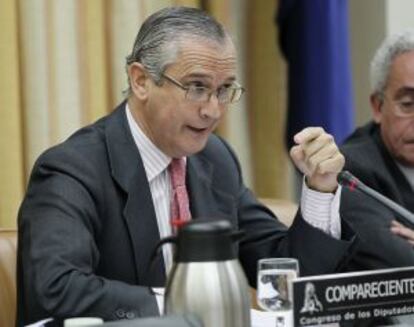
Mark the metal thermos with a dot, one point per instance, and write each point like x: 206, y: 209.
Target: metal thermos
x: 206, y: 278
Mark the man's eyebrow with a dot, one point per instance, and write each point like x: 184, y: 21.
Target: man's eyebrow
x: 405, y: 90
x: 207, y: 77
x: 231, y: 79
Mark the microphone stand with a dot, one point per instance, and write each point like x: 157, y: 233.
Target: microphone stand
x: 345, y: 178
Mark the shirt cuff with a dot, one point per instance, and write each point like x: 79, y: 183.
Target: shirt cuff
x: 321, y: 210
x: 159, y: 296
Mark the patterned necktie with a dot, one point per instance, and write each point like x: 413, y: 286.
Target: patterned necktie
x: 180, y: 206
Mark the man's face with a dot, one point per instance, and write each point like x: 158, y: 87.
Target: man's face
x: 397, y: 132
x: 179, y: 126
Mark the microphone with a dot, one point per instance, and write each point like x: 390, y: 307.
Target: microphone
x: 346, y: 179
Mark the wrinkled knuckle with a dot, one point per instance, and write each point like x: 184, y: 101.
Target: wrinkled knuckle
x: 320, y: 129
x: 334, y: 149
x: 312, y: 162
x: 293, y: 152
x: 322, y: 168
x: 319, y: 167
x: 329, y: 138
x: 306, y: 152
x: 341, y: 157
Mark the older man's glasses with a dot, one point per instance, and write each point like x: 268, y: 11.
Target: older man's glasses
x: 200, y: 93
x: 403, y: 107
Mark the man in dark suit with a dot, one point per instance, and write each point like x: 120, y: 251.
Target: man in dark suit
x: 381, y: 154
x: 98, y: 203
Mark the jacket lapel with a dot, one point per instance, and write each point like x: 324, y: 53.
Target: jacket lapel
x: 206, y: 201
x: 139, y: 214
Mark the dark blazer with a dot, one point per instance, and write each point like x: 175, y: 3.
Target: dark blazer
x: 87, y: 226
x: 368, y: 159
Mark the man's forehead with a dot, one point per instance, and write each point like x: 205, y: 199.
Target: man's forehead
x: 400, y: 74
x: 402, y: 64
x: 205, y: 58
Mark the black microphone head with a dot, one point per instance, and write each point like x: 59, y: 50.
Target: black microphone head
x: 346, y: 178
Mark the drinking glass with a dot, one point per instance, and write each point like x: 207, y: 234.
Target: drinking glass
x: 274, y: 287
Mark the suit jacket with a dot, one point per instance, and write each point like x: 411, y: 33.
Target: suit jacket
x: 368, y: 159
x: 87, y: 226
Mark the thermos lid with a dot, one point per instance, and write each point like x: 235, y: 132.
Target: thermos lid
x: 206, y: 240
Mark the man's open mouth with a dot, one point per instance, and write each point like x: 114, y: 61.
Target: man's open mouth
x: 198, y: 130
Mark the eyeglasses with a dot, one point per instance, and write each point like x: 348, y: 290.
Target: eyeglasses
x: 401, y: 108
x: 199, y: 93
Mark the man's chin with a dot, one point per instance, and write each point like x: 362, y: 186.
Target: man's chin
x: 194, y: 148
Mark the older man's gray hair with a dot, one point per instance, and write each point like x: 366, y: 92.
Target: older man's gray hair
x: 390, y: 48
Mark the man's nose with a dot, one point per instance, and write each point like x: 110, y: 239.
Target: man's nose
x: 212, y: 108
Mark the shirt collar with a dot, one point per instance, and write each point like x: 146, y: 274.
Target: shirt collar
x: 154, y: 160
x: 408, y: 172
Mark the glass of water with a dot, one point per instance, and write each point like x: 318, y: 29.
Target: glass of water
x: 274, y: 287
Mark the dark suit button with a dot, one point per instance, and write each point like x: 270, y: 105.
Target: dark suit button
x: 120, y: 313
x: 130, y: 315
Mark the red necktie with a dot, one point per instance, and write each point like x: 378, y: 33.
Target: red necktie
x: 180, y: 206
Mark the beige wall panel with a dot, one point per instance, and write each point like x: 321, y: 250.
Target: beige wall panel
x: 221, y: 10
x: 94, y: 60
x: 399, y: 15
x: 34, y: 85
x: 11, y: 165
x: 151, y: 6
x: 267, y: 102
x: 67, y: 97
x: 367, y: 29
x: 124, y: 19
x: 238, y: 133
x: 187, y: 3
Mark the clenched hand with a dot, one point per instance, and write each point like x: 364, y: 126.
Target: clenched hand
x: 317, y: 156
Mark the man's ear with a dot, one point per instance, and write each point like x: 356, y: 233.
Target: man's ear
x: 376, y: 107
x: 138, y: 80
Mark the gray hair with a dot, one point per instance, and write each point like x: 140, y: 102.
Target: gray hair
x: 390, y: 48
x: 157, y: 43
